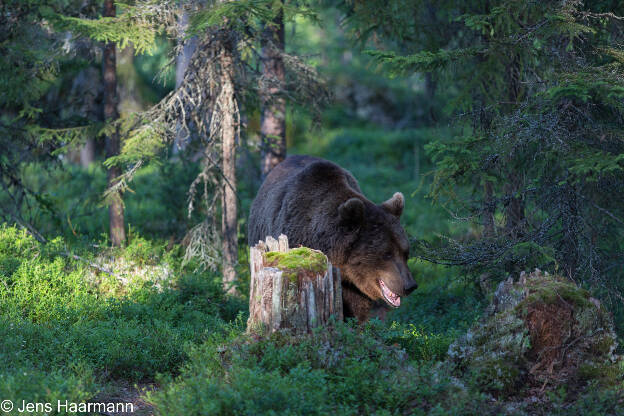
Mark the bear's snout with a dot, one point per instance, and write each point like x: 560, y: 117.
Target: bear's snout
x: 410, y: 286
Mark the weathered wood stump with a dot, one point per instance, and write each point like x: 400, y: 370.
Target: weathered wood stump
x: 295, y: 288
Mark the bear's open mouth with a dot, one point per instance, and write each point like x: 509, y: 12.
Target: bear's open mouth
x: 392, y: 298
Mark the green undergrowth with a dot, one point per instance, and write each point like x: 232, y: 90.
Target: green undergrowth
x: 69, y: 332
x: 68, y: 329
x: 340, y: 370
x: 64, y: 332
x: 382, y: 368
x: 434, y: 315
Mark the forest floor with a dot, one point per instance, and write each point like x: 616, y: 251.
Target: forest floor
x: 121, y: 391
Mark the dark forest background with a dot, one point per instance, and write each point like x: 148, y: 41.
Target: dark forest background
x: 134, y: 136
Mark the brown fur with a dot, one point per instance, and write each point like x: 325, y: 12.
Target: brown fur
x: 318, y: 204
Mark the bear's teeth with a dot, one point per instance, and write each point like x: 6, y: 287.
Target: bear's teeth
x: 391, y: 297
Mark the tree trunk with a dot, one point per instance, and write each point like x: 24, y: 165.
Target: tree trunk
x: 229, y: 129
x: 129, y: 84
x: 115, y: 209
x: 285, y: 298
x: 489, y: 209
x: 182, y: 62
x: 273, y: 112
x: 188, y: 49
x: 87, y: 153
x: 514, y: 209
x: 86, y: 92
x: 430, y: 89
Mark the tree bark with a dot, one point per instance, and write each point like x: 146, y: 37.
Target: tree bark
x: 229, y: 130
x: 86, y: 93
x: 129, y: 99
x: 87, y: 153
x: 115, y: 209
x: 273, y: 112
x: 514, y: 209
x: 489, y: 208
x: 188, y: 49
x: 280, y: 301
x: 430, y: 89
x: 182, y: 62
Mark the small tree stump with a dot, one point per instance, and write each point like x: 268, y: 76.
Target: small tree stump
x: 296, y: 288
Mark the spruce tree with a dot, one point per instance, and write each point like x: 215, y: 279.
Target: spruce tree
x: 42, y: 119
x: 273, y: 104
x: 537, y: 164
x: 222, y: 76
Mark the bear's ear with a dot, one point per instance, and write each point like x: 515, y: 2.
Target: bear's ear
x: 395, y: 204
x: 352, y: 211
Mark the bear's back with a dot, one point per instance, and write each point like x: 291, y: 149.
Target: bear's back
x: 300, y: 198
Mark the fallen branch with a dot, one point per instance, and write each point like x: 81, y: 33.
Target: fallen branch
x: 90, y: 263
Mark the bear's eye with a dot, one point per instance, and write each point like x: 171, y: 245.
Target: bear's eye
x: 387, y: 255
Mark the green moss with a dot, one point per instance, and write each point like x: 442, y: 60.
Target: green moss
x: 297, y: 260
x: 604, y: 373
x: 604, y: 345
x: 492, y: 352
x: 553, y: 290
x: 496, y: 374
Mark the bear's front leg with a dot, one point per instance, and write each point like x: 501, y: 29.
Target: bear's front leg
x: 358, y: 305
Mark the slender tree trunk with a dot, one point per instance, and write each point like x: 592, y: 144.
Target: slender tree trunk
x: 514, y: 210
x: 129, y: 99
x: 229, y: 130
x: 273, y: 112
x: 87, y: 91
x: 488, y: 210
x: 182, y: 63
x: 88, y: 85
x: 184, y: 58
x: 115, y: 209
x: 430, y: 89
x: 87, y: 153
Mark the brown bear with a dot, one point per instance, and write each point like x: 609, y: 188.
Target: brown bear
x: 318, y: 204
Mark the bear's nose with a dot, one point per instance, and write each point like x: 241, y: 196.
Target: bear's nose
x: 410, y: 287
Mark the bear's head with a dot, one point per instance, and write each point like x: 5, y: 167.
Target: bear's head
x: 373, y: 249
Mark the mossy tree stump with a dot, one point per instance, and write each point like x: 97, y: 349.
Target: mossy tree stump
x: 295, y: 288
x: 541, y: 330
